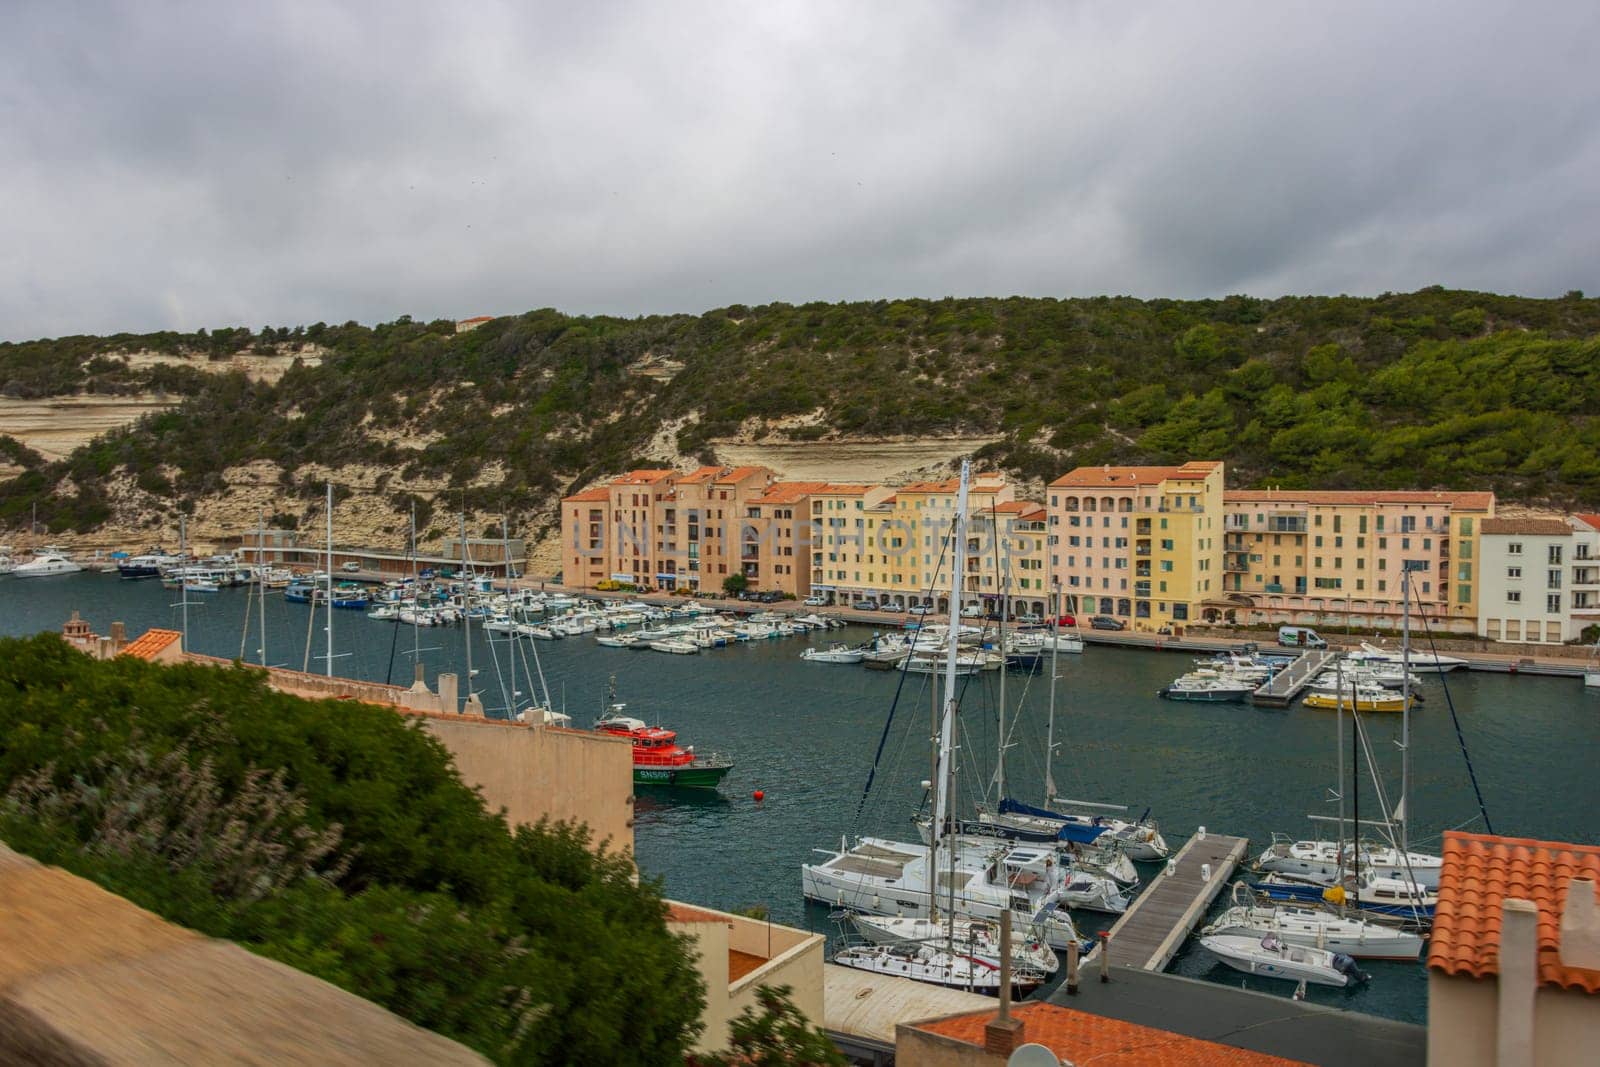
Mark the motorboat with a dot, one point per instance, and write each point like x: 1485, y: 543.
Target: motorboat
x: 834, y: 654
x: 971, y: 937
x: 658, y: 759
x: 1211, y: 689
x: 1316, y: 927
x: 1366, y: 697
x: 1421, y: 662
x: 678, y: 646
x: 149, y: 565
x: 1322, y: 861
x: 967, y: 664
x: 1272, y: 957
x: 613, y: 640
x: 45, y: 564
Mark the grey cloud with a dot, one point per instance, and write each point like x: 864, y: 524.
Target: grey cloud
x: 178, y: 166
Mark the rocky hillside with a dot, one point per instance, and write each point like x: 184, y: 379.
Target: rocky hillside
x: 1430, y: 389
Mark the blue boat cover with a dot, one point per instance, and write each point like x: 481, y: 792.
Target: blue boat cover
x: 1070, y: 831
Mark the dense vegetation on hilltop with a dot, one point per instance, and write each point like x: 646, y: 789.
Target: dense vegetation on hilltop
x: 1431, y: 389
x: 338, y: 839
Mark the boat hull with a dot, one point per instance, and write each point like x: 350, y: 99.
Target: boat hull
x: 687, y: 777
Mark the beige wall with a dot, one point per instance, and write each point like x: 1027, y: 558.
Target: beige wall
x: 935, y: 1050
x: 546, y: 772
x: 1462, y: 1026
x: 794, y: 959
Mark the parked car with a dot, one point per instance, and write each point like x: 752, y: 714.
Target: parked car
x: 865, y: 605
x: 769, y: 597
x: 350, y: 566
x: 919, y: 609
x: 815, y: 602
x: 1106, y: 622
x: 971, y: 611
x: 1030, y: 618
x: 1066, y: 620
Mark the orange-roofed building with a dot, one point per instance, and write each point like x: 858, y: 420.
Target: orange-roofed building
x: 848, y: 548
x: 156, y: 646
x: 1514, y: 957
x: 1327, y: 557
x: 585, y: 529
x: 1140, y: 544
x: 775, y: 538
x: 698, y: 528
x: 1072, y: 1036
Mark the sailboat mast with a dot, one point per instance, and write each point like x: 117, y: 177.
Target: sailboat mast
x: 1338, y: 746
x: 261, y: 578
x: 1000, y: 725
x: 330, y: 580
x: 416, y: 594
x: 1402, y: 814
x: 942, y: 797
x: 1050, y: 728
x: 466, y: 602
x: 183, y: 577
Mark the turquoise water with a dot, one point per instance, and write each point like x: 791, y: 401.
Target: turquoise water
x: 805, y: 734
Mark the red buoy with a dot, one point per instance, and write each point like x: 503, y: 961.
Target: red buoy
x: 759, y: 795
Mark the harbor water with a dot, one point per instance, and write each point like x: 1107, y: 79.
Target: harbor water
x: 805, y: 734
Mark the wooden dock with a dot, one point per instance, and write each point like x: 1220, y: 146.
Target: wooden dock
x: 1284, y: 686
x: 1148, y: 934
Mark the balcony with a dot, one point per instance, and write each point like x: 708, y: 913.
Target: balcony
x: 1142, y: 571
x: 1235, y: 562
x: 1142, y: 550
x: 1141, y: 527
x: 1286, y: 524
x: 1236, y: 522
x: 1274, y: 587
x: 1181, y: 509
x: 1141, y: 589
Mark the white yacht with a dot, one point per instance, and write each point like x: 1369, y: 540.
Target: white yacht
x: 1272, y: 958
x: 968, y: 936
x: 45, y: 564
x: 1322, y: 862
x: 1317, y: 927
x: 834, y: 654
x: 1421, y: 662
x: 923, y: 962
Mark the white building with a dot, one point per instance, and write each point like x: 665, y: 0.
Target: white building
x: 1540, y: 579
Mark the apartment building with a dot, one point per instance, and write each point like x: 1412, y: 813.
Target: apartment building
x: 585, y: 527
x: 697, y: 531
x: 1008, y: 558
x: 1140, y: 544
x: 917, y: 538
x: 1540, y: 579
x: 630, y: 545
x: 775, y: 538
x: 839, y: 540
x: 1336, y: 558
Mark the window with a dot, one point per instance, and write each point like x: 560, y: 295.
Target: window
x: 1463, y: 594
x: 1466, y: 527
x: 1554, y: 580
x: 1513, y: 572
x: 1317, y: 541
x: 1514, y: 548
x: 1552, y: 604
x: 1464, y: 573
x: 1555, y: 555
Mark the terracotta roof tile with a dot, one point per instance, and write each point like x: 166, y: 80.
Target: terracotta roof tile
x: 1590, y: 520
x: 599, y: 492
x: 1104, y: 477
x: 683, y: 913
x: 738, y: 474
x: 645, y: 477
x: 151, y: 644
x: 789, y: 492
x: 1471, y: 501
x: 1530, y: 526
x: 1479, y: 872
x: 1084, y: 1038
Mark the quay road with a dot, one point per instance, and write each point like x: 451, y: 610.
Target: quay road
x: 1501, y: 662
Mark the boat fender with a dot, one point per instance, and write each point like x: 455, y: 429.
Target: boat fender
x: 875, y: 901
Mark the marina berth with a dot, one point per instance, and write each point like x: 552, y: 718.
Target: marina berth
x: 1319, y: 927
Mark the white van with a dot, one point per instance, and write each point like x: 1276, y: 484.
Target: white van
x: 1300, y: 637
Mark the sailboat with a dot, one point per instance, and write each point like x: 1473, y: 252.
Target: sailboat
x: 981, y: 879
x: 1591, y: 669
x: 1105, y: 834
x: 1316, y: 927
x: 1325, y: 861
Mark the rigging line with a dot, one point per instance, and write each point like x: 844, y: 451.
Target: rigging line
x: 899, y: 687
x: 244, y: 635
x: 394, y: 642
x: 1455, y: 720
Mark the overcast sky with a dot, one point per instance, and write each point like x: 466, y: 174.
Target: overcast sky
x: 210, y: 164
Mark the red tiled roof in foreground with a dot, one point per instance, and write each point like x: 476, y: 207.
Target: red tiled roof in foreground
x: 1084, y: 1038
x: 151, y: 644
x: 1479, y: 873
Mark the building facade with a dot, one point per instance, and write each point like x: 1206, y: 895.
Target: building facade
x: 775, y: 538
x: 1142, y: 545
x: 1541, y: 578
x: 1331, y: 558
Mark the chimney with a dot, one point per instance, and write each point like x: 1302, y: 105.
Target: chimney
x: 1580, y: 925
x: 119, y: 635
x: 1003, y: 1033
x: 447, y: 693
x: 1519, y: 982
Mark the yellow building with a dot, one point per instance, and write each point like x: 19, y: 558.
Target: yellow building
x: 839, y: 541
x: 1142, y: 545
x: 1337, y: 558
x: 913, y: 541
